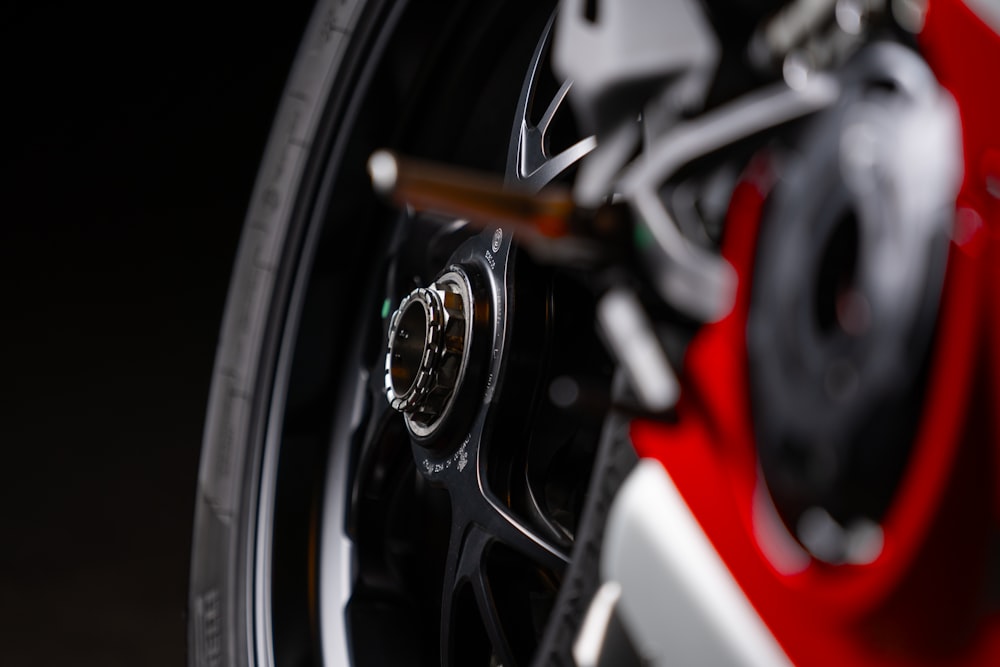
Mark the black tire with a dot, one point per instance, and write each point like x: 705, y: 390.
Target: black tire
x: 219, y: 631
x: 354, y: 70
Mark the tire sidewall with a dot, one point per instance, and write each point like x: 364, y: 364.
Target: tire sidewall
x: 220, y: 624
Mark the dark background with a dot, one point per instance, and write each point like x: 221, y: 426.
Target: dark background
x: 131, y: 137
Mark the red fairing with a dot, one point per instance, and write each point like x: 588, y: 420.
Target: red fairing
x: 933, y: 593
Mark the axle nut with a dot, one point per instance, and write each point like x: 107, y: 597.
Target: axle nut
x: 429, y: 335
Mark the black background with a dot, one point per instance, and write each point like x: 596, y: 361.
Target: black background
x: 131, y: 137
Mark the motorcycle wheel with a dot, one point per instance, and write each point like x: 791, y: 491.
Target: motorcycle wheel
x: 323, y: 533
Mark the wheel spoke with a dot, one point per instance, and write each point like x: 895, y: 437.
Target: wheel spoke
x: 491, y: 618
x: 555, y: 165
x: 525, y: 540
x: 469, y: 616
x: 554, y: 105
x: 530, y: 163
x: 449, y: 593
x: 535, y: 508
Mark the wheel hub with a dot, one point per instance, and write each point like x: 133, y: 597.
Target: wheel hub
x: 430, y: 336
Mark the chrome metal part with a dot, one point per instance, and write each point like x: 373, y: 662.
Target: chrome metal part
x: 428, y: 350
x: 692, y: 279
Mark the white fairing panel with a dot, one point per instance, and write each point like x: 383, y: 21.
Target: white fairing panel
x: 679, y: 602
